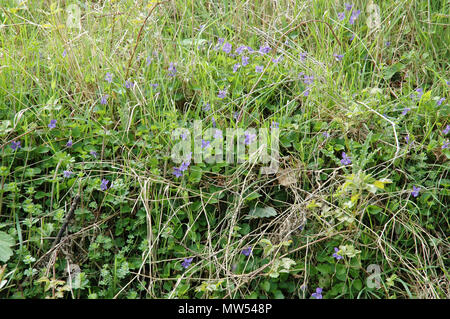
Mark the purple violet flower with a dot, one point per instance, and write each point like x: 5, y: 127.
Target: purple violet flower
x: 64, y: 53
x: 326, y: 134
x: 348, y: 7
x: 104, y: 99
x: 354, y: 16
x: 104, y: 185
x: 205, y: 144
x: 108, y: 77
x: 341, y: 16
x: 129, y: 84
x: 259, y: 69
x: 227, y: 47
x: 217, y: 134
x: 446, y: 130
x: 186, y: 263
x: 52, y: 124
x: 15, y: 145
x: 338, y: 57
x: 445, y: 145
x: 206, y: 107
x: 249, y: 138
x: 274, y: 125
x: 406, y: 110
x: 172, y: 69
x: 264, y: 49
x: 336, y: 255
x: 236, y: 67
x: 303, y: 56
x: 345, y: 159
x: 247, y: 251
x: 317, y: 294
x: 177, y: 172
x: 407, y: 139
x: 69, y: 143
x: 439, y: 102
x: 222, y: 93
x: 415, y: 191
x: 93, y: 153
x: 67, y: 174
x: 245, y: 60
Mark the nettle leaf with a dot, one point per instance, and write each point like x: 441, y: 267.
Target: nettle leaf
x: 261, y: 212
x: 6, y: 241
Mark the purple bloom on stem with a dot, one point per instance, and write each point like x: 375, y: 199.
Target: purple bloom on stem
x: 67, y: 174
x: 236, y: 67
x: 245, y: 60
x: 276, y: 60
x: 439, y: 102
x: 172, y: 69
x: 415, y: 191
x: 64, y: 53
x: 341, y: 16
x: 205, y: 144
x: 177, y: 172
x: 222, y: 94
x: 149, y: 60
x: 240, y: 49
x: 354, y: 16
x: 259, y: 68
x: 345, y: 159
x: 348, y: 7
x: 352, y: 37
x: 407, y: 139
x: 336, y: 255
x: 303, y: 56
x: 446, y: 130
x: 108, y: 77
x: 317, y: 294
x: 104, y: 185
x: 264, y: 49
x: 249, y: 138
x: 217, y: 134
x: 308, y: 79
x: 221, y: 40
x: 388, y: 43
x: 15, y: 145
x: 338, y: 57
x: 419, y: 92
x: 52, y: 124
x: 206, y: 107
x: 250, y: 49
x: 227, y: 47
x: 445, y: 145
x: 326, y: 134
x: 104, y: 99
x: 247, y: 251
x: 93, y: 153
x: 213, y: 120
x: 69, y: 143
x: 129, y: 84
x: 406, y: 110
x: 235, y: 115
x: 187, y: 262
x: 306, y: 92
x: 274, y: 125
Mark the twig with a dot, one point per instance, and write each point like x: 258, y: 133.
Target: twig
x: 139, y: 37
x: 66, y: 222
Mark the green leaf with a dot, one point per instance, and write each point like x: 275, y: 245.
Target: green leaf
x: 261, y: 212
x: 6, y: 241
